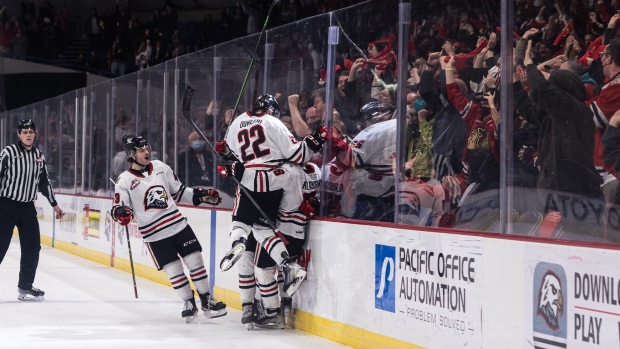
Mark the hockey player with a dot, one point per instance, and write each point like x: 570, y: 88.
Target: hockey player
x: 292, y: 225
x: 149, y: 190
x: 368, y: 182
x: 262, y: 143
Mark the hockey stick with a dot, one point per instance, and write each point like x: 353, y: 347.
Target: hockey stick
x: 348, y: 38
x: 187, y: 102
x: 133, y: 273
x: 247, y: 74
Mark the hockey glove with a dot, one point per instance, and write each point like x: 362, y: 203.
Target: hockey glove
x: 206, y: 196
x: 338, y: 146
x: 223, y: 149
x: 122, y: 214
x: 309, y: 207
x: 234, y: 169
x: 316, y: 140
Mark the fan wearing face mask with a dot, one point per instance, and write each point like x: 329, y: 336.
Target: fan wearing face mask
x: 196, y: 163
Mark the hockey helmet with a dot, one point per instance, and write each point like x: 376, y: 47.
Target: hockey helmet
x: 374, y: 112
x: 265, y: 103
x: 26, y: 124
x: 133, y: 143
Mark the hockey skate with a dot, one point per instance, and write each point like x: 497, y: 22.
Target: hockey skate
x: 189, y: 310
x: 231, y: 257
x: 267, y: 318
x: 248, y: 315
x: 294, y: 275
x: 33, y: 294
x: 211, y: 307
x: 286, y: 304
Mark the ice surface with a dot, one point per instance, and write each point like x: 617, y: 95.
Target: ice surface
x: 89, y: 305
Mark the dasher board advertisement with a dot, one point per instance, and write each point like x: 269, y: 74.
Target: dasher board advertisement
x: 572, y: 298
x: 431, y: 288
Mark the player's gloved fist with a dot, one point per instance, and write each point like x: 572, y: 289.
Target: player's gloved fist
x: 206, y: 196
x: 338, y: 146
x: 234, y: 169
x: 222, y: 148
x: 309, y: 207
x: 122, y: 214
x: 322, y: 133
x: 316, y: 140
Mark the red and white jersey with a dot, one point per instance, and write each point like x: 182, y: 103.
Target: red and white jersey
x: 604, y: 106
x: 372, y: 149
x: 481, y: 131
x: 262, y: 141
x: 369, y: 165
x: 294, y: 223
x: 421, y: 203
x: 152, y: 195
x: 335, y: 179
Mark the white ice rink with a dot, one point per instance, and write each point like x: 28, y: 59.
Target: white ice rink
x: 89, y: 305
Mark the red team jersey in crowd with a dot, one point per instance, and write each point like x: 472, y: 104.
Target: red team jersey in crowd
x: 152, y: 197
x: 481, y: 131
x: 604, y: 106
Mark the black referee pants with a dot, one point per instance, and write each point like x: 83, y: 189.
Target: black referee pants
x: 22, y: 215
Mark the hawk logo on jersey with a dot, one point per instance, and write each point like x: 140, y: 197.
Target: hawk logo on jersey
x: 551, y: 300
x: 134, y: 184
x: 411, y: 204
x: 156, y: 197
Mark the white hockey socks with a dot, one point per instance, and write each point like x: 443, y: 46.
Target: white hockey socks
x: 268, y: 287
x: 280, y: 278
x: 238, y: 230
x: 179, y: 281
x: 270, y: 242
x: 197, y: 271
x: 247, y: 284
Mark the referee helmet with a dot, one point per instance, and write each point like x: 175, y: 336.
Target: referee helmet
x: 26, y: 124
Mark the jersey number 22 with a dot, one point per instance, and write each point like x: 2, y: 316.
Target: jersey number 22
x: 255, y: 136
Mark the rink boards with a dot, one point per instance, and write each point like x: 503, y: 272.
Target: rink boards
x: 380, y: 286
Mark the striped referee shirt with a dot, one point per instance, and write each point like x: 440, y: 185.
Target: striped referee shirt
x: 22, y: 173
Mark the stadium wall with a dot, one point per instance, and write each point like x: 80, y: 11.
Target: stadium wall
x: 380, y: 286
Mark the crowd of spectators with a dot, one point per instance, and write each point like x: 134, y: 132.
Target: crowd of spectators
x: 567, y: 60
x: 565, y: 139
x: 119, y: 43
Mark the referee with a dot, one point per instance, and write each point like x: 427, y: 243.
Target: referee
x: 22, y: 173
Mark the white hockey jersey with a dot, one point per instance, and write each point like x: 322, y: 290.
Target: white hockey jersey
x: 262, y: 142
x: 421, y: 203
x: 152, y: 196
x: 369, y: 165
x: 294, y: 223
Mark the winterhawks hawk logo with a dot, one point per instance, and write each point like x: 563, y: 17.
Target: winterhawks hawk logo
x: 155, y: 197
x: 551, y: 300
